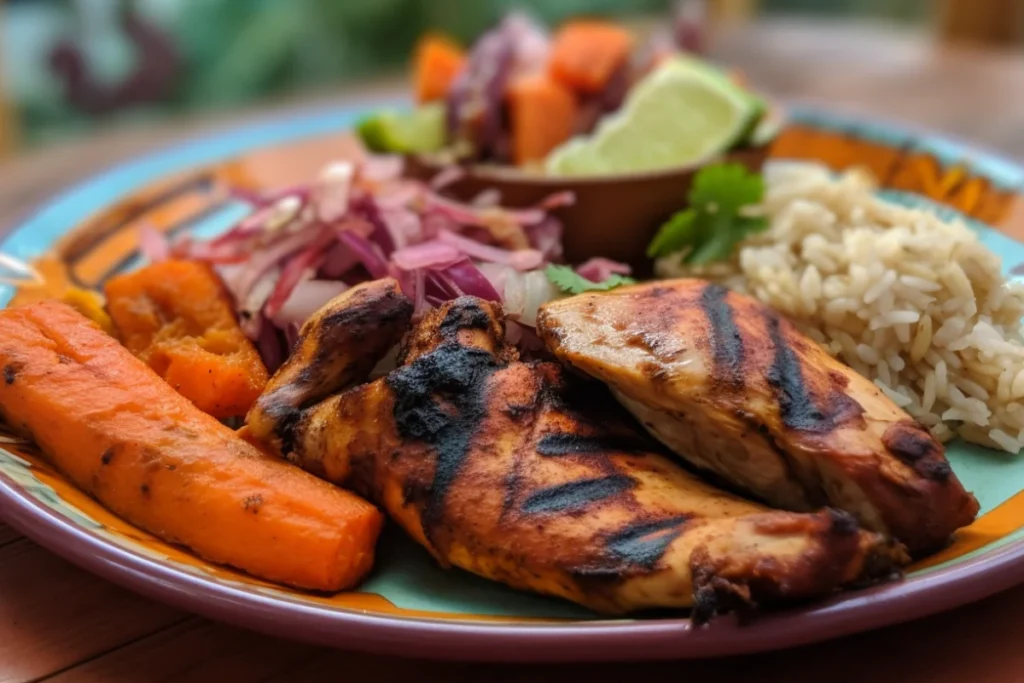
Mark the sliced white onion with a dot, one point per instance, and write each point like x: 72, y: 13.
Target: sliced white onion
x: 332, y: 189
x: 306, y: 299
x: 496, y: 273
x: 522, y: 293
x: 538, y: 290
x: 282, y: 213
x: 514, y: 293
x: 249, y: 308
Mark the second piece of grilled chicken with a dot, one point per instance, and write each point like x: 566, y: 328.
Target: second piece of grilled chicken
x: 737, y: 390
x: 521, y: 474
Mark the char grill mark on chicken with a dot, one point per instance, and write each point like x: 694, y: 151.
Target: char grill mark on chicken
x: 738, y: 391
x: 525, y: 475
x: 726, y: 340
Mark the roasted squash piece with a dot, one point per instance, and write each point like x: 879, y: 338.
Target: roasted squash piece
x: 177, y: 317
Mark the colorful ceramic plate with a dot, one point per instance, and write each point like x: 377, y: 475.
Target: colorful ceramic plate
x: 409, y: 606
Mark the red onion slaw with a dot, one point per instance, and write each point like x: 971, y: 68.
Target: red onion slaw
x: 302, y: 246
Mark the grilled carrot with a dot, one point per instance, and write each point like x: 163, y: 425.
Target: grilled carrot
x: 124, y: 436
x: 436, y: 64
x: 177, y: 317
x: 586, y: 54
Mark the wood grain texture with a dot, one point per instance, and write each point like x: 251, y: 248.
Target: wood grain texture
x: 934, y: 650
x: 53, y: 614
x: 192, y: 650
x: 60, y: 623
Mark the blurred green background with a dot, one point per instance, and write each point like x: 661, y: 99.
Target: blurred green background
x: 69, y: 65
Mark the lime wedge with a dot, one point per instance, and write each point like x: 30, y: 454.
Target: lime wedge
x: 711, y: 71
x: 766, y: 130
x: 418, y: 131
x: 760, y: 106
x: 682, y: 113
x: 576, y: 157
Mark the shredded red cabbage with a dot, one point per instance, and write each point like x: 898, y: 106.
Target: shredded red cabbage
x: 371, y: 255
x: 467, y: 279
x: 431, y: 254
x: 272, y: 345
x: 302, y: 266
x: 599, y: 269
x: 520, y: 259
x: 476, y: 99
x: 302, y: 246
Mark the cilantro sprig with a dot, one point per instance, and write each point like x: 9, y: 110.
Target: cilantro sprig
x: 571, y: 282
x: 715, y: 221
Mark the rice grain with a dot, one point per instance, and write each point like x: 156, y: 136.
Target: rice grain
x: 912, y: 301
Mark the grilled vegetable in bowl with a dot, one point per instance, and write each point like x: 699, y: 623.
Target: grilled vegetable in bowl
x: 528, y: 115
x: 584, y: 101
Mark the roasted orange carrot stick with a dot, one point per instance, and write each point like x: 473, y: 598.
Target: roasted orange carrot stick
x: 543, y: 115
x: 124, y: 436
x: 436, y: 64
x: 585, y: 54
x: 177, y: 317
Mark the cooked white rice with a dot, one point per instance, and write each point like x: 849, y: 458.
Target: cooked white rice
x: 914, y: 303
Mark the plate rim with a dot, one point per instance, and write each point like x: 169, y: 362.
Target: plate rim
x: 938, y: 590
x: 473, y: 640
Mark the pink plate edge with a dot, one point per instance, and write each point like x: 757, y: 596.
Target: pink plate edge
x: 968, y: 581
x: 893, y: 603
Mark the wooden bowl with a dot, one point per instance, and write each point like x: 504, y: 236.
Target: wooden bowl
x: 614, y: 216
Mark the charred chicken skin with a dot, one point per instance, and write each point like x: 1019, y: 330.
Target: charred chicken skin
x: 525, y: 475
x: 738, y: 391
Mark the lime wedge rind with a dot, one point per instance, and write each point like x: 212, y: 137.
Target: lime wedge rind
x: 684, y: 112
x: 419, y: 131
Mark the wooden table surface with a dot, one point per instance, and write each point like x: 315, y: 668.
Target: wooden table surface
x: 59, y: 623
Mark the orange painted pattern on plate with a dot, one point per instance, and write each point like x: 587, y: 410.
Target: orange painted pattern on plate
x: 990, y: 527
x: 998, y: 523
x: 94, y: 250
x: 908, y: 170
x: 353, y: 601
x: 94, y: 266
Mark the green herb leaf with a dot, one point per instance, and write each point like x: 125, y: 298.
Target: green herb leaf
x: 709, y: 230
x: 571, y: 282
x: 677, y: 233
x: 729, y: 186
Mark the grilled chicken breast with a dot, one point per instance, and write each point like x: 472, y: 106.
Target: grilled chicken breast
x: 340, y: 345
x: 737, y: 391
x: 521, y: 474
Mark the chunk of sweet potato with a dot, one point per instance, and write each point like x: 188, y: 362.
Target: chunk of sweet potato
x: 177, y: 317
